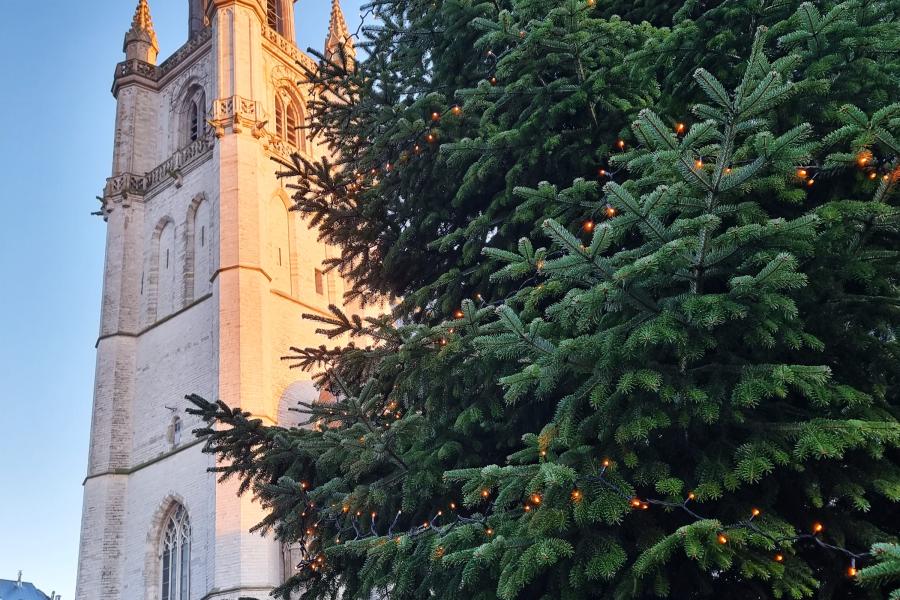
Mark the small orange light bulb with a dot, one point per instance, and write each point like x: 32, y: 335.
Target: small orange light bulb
x: 851, y: 571
x: 456, y: 110
x: 755, y: 512
x: 587, y: 226
x: 722, y: 539
x: 680, y: 128
x: 635, y: 503
x: 818, y: 528
x: 485, y: 493
x: 621, y: 144
x: 779, y: 558
x: 435, y: 116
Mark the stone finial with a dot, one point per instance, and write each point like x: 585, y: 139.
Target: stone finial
x: 140, y: 41
x: 338, y: 34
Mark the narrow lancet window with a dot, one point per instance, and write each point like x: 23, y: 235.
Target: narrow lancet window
x: 176, y: 557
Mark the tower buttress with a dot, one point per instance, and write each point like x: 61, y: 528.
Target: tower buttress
x: 339, y: 35
x: 140, y: 41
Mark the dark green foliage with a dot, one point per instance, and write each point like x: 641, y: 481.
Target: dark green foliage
x: 723, y: 331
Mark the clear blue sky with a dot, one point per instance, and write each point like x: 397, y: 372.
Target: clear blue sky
x: 56, y: 63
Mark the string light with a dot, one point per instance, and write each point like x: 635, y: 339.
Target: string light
x: 435, y: 116
x: 620, y: 144
x: 680, y: 128
x: 576, y: 495
x: 698, y: 163
x: 802, y: 173
x: 851, y: 570
x: 610, y: 211
x: 456, y: 110
x: 485, y: 493
x: 779, y: 558
x: 459, y: 314
x: 587, y: 226
x: 601, y: 173
x: 493, y: 80
x: 864, y: 158
x: 536, y: 498
x: 723, y: 539
x: 755, y: 512
x: 818, y: 528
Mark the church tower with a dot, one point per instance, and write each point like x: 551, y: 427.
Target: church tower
x: 206, y: 275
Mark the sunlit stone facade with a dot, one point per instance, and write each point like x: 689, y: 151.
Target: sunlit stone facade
x: 207, y: 274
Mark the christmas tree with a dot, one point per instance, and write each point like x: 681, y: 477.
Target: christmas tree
x: 646, y: 341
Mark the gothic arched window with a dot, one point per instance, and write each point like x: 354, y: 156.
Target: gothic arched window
x: 194, y: 116
x: 293, y: 122
x: 289, y: 121
x: 176, y: 556
x: 274, y: 16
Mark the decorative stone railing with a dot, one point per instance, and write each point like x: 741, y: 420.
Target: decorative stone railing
x: 170, y: 170
x: 157, y: 73
x: 235, y: 107
x: 171, y: 63
x: 289, y: 48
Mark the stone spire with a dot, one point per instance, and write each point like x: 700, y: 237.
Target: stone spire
x: 140, y: 41
x: 338, y: 34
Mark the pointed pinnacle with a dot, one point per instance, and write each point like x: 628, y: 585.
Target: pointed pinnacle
x: 338, y: 32
x: 142, y: 25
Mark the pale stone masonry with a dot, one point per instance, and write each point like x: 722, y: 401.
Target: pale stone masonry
x: 207, y: 274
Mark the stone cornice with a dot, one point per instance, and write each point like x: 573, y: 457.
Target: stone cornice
x: 145, y: 464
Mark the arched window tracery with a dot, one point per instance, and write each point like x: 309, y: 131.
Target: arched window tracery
x: 193, y: 118
x: 289, y: 121
x: 175, y: 556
